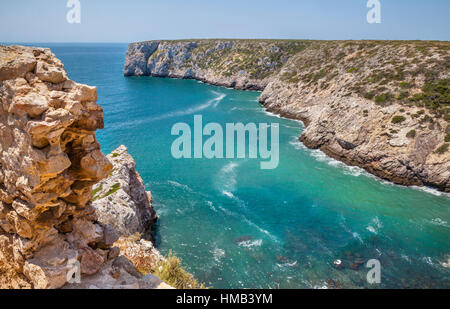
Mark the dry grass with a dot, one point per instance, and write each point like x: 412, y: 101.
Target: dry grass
x: 149, y: 261
x: 170, y: 271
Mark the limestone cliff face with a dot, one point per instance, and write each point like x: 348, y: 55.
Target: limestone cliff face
x: 124, y: 209
x: 49, y: 161
x: 383, y: 106
x: 244, y: 64
x: 120, y: 200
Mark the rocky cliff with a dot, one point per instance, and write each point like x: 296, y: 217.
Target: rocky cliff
x: 380, y: 105
x: 125, y: 209
x: 120, y: 200
x: 49, y: 161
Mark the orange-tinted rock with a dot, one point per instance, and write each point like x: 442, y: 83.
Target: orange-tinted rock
x: 49, y: 160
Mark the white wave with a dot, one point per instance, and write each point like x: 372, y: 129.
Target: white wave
x: 320, y: 156
x: 406, y: 258
x: 377, y: 222
x: 211, y: 205
x: 297, y: 144
x: 374, y: 226
x: 287, y: 264
x: 250, y: 243
x: 218, y: 99
x: 371, y: 229
x: 291, y: 127
x: 231, y: 196
x: 427, y: 260
x: 228, y: 194
x: 229, y: 167
x: 357, y: 236
x: 265, y: 111
x: 226, y: 211
x: 218, y: 254
x: 180, y: 211
x: 431, y: 191
x: 226, y: 179
x: 275, y: 239
x: 355, y: 170
x: 233, y: 214
x: 439, y: 221
x: 179, y: 185
x: 242, y: 108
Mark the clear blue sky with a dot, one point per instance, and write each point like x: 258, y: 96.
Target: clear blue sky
x: 138, y: 20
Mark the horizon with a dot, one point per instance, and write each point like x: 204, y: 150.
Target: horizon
x: 225, y: 39
x: 117, y: 22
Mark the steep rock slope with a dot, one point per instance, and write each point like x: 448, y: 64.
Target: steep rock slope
x: 124, y: 206
x: 49, y: 161
x: 242, y: 64
x: 120, y: 200
x: 380, y: 105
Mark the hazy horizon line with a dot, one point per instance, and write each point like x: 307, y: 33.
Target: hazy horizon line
x: 216, y: 38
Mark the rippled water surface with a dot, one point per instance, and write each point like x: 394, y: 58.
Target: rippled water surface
x: 235, y: 225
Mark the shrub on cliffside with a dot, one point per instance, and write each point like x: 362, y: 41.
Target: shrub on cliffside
x: 171, y: 272
x: 398, y: 119
x: 447, y: 138
x: 443, y: 149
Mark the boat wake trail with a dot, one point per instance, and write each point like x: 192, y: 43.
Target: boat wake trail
x: 218, y: 99
x: 179, y: 113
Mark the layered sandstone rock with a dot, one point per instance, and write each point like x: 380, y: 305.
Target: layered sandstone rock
x: 49, y: 160
x: 379, y: 105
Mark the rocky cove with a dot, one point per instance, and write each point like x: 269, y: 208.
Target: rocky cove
x: 379, y: 105
x: 219, y: 197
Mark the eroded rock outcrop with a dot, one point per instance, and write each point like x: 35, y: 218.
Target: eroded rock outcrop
x: 379, y: 105
x: 124, y: 208
x: 120, y: 200
x: 49, y: 160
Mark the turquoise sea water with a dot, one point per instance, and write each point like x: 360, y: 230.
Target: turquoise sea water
x: 235, y: 225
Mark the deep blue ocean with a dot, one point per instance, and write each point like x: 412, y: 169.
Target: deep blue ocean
x: 237, y: 226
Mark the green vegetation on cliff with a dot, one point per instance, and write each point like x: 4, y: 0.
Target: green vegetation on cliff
x: 170, y: 271
x: 406, y: 72
x: 411, y: 73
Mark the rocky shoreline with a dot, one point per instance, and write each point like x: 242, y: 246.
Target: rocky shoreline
x: 382, y: 106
